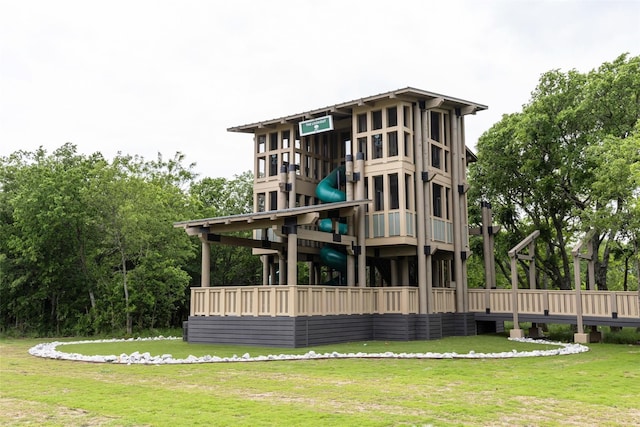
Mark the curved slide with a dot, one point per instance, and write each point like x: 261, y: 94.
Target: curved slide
x: 328, y: 192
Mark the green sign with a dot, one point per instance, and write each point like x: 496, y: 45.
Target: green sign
x: 322, y: 124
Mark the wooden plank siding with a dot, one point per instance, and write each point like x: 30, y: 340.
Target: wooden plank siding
x: 305, y: 331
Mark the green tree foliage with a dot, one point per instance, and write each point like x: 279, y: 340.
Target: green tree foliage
x: 89, y: 246
x: 220, y: 197
x: 564, y: 165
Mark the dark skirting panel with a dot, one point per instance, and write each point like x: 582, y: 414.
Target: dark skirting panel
x: 305, y: 331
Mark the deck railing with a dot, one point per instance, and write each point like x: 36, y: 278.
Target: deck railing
x: 301, y: 301
x: 594, y: 303
x: 306, y: 300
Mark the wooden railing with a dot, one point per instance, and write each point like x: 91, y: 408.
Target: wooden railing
x: 301, y: 301
x: 594, y: 303
x: 305, y: 300
x: 444, y: 300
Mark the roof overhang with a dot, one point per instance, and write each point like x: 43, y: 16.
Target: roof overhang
x: 305, y: 215
x: 409, y: 94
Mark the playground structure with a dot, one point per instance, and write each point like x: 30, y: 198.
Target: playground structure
x: 370, y: 195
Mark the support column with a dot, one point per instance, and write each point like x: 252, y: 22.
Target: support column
x: 516, y: 332
x: 394, y: 272
x: 292, y: 257
x: 404, y: 265
x: 456, y: 182
x: 580, y: 336
x: 591, y: 265
x: 423, y: 291
x: 428, y: 230
x: 282, y: 182
x: 360, y: 221
x: 265, y: 269
x: 273, y: 272
x: 310, y: 268
x: 292, y: 269
x: 205, y: 274
x: 487, y: 248
x: 282, y: 272
x: 351, y: 261
x: 292, y: 186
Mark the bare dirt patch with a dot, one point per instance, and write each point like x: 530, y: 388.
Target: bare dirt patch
x: 14, y: 412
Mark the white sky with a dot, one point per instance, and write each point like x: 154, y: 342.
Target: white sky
x: 143, y: 77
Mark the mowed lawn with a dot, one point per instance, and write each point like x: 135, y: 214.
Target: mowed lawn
x: 599, y: 388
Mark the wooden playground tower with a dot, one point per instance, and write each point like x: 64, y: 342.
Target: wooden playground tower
x: 367, y: 200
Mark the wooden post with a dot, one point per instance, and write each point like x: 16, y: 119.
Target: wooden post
x: 489, y: 274
x: 292, y: 269
x: 292, y: 184
x: 580, y: 336
x: 423, y: 291
x: 282, y: 271
x: 456, y: 181
x: 360, y: 221
x: 404, y: 266
x: 350, y: 192
x: 282, y: 183
x: 516, y: 332
x: 394, y: 272
x: 266, y: 271
x: 205, y: 274
x: 311, y: 268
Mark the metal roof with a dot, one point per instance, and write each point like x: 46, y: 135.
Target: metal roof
x: 345, y: 108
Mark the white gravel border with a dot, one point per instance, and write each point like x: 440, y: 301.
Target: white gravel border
x: 49, y: 351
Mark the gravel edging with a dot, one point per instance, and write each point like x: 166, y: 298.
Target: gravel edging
x: 50, y: 351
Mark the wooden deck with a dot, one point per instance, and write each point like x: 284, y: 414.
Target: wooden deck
x: 305, y: 300
x: 304, y: 315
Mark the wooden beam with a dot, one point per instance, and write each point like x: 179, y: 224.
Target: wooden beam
x: 345, y: 212
x: 242, y: 241
x: 307, y: 218
x: 433, y: 103
x: 340, y: 111
x: 321, y: 236
x: 469, y: 109
x: 195, y: 231
x: 475, y: 231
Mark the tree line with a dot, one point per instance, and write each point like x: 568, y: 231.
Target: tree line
x: 88, y: 245
x: 569, y: 162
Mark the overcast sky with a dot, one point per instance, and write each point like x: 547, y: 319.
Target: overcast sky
x: 143, y: 77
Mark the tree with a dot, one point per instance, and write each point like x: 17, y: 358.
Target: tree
x: 47, y: 275
x: 538, y: 167
x: 138, y: 203
x: 221, y: 197
x: 87, y: 245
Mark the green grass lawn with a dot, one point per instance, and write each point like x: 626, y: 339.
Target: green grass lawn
x: 600, y: 387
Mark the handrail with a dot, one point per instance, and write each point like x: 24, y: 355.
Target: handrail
x: 331, y: 300
x: 576, y: 275
x: 516, y: 332
x: 605, y: 304
x: 524, y: 243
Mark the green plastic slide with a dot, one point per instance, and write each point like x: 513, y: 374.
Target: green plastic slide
x: 328, y: 192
